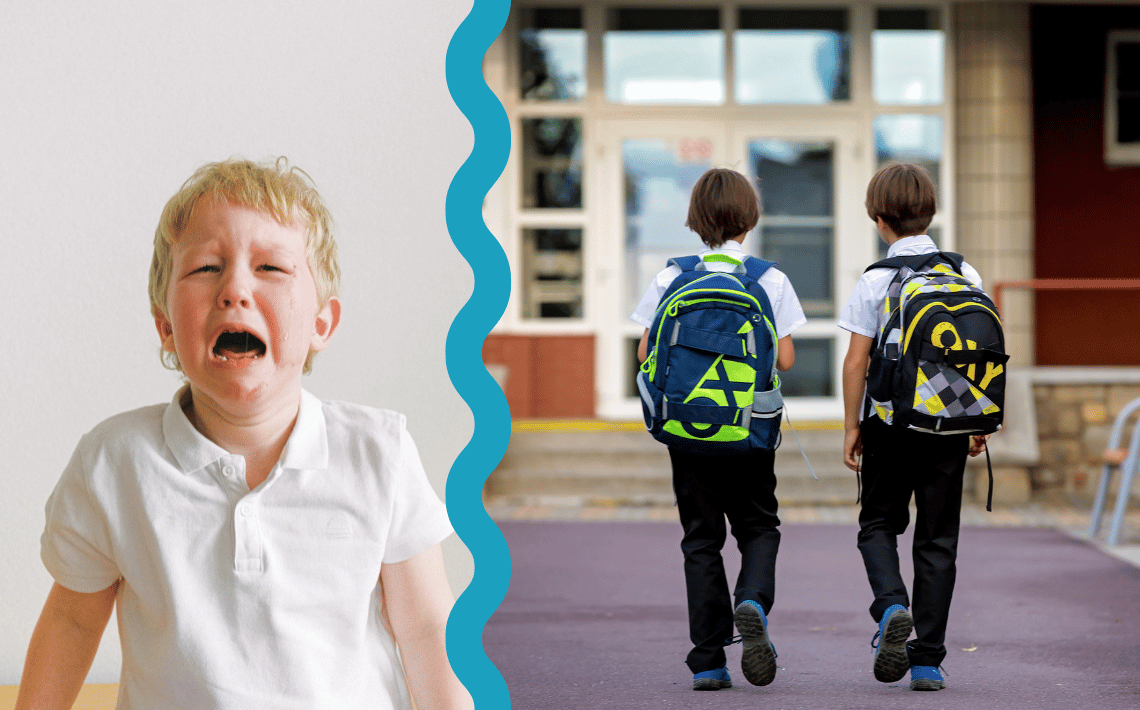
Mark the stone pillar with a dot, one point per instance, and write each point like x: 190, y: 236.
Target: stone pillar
x: 994, y: 139
x: 994, y: 158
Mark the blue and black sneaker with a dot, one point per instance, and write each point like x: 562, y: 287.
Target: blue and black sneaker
x: 758, y: 660
x: 891, y: 660
x: 926, y: 678
x: 712, y: 680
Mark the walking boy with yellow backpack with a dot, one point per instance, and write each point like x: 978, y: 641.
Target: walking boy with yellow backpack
x: 923, y: 387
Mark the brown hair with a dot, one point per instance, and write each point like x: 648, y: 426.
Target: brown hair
x: 723, y: 206
x: 903, y: 195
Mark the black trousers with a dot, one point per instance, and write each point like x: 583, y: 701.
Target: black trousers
x: 708, y: 488
x: 897, y: 463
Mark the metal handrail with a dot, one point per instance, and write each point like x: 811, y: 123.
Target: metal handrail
x: 1064, y: 285
x: 1127, y: 468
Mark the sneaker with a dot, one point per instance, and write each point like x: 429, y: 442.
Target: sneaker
x: 759, y: 658
x: 926, y: 678
x: 712, y: 680
x: 891, y: 660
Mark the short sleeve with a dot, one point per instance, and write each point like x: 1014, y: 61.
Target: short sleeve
x: 860, y: 315
x: 419, y: 518
x: 76, y: 543
x: 786, y: 305
x: 646, y: 309
x: 972, y: 275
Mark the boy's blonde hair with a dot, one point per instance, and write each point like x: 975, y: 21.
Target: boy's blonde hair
x: 273, y: 188
x: 724, y: 205
x: 903, y: 195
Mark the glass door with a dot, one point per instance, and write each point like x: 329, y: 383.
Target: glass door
x: 647, y: 173
x: 811, y: 180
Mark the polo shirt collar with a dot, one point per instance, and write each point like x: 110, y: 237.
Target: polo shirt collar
x: 912, y: 246
x: 730, y: 246
x: 307, y: 447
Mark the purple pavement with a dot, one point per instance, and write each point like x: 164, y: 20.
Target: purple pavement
x: 595, y: 618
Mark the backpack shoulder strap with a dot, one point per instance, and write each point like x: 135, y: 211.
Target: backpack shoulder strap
x: 685, y: 263
x: 917, y: 261
x: 756, y: 267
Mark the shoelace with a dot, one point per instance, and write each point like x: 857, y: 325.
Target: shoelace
x: 740, y: 639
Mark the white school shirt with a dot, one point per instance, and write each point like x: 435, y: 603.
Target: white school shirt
x: 863, y: 313
x: 785, y: 305
x: 238, y: 599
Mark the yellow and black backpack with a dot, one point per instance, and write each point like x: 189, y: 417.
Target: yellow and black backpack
x: 938, y: 362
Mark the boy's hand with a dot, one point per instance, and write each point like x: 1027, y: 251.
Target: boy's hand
x: 852, y: 449
x: 978, y: 444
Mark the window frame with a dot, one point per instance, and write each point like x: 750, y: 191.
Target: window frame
x: 1116, y: 154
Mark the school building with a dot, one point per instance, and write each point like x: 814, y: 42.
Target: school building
x: 1027, y: 115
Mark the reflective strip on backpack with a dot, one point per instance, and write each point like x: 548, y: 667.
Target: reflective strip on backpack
x: 644, y: 390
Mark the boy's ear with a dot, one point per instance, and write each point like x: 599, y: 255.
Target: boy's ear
x: 328, y: 318
x: 165, y: 331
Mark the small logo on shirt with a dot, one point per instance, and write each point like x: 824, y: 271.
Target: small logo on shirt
x: 339, y: 527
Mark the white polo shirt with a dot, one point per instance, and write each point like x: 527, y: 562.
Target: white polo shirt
x: 863, y: 313
x: 238, y: 599
x: 785, y: 305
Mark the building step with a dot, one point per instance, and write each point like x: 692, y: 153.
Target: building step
x: 620, y: 464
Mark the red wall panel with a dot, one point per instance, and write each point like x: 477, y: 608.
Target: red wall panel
x: 1087, y: 214
x: 548, y: 377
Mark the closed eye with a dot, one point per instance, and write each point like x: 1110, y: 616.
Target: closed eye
x: 208, y: 268
x: 270, y: 267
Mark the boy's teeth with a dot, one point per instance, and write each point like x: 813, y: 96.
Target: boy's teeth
x: 251, y: 357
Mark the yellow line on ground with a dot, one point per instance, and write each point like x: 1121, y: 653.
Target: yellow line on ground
x: 587, y: 425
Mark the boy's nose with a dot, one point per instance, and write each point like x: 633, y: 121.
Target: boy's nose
x: 235, y: 292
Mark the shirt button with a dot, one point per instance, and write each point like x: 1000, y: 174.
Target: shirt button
x: 246, y: 510
x: 228, y: 470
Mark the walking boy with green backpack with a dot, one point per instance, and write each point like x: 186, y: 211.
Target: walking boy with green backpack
x: 923, y: 387
x: 718, y: 327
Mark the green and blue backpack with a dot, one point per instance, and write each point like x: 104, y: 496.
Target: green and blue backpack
x: 709, y: 384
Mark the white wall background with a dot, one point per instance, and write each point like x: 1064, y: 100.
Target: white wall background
x: 105, y: 108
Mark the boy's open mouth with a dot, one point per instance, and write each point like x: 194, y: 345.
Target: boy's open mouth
x: 234, y: 345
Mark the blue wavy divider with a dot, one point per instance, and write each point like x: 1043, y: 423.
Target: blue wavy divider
x: 464, y: 213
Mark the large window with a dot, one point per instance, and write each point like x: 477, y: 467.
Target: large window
x: 789, y: 56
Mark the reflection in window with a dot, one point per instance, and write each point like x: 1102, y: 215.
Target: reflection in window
x: 655, y: 56
x: 910, y: 139
x: 552, y: 162
x: 792, y: 56
x: 552, y: 54
x: 814, y: 373
x: 797, y: 220
x: 907, y: 57
x: 796, y: 178
x: 552, y: 273
x: 659, y: 177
